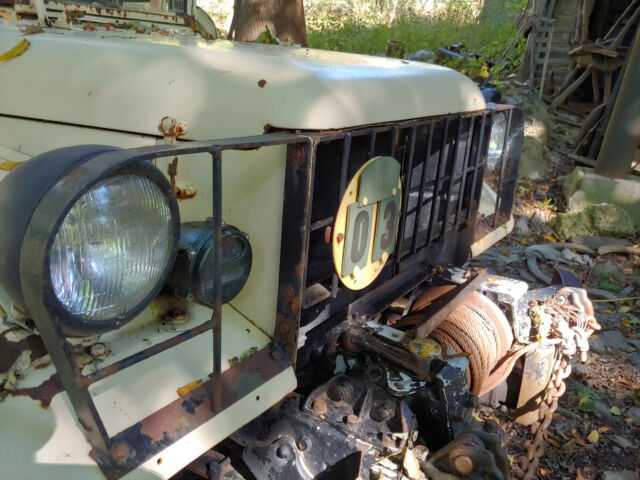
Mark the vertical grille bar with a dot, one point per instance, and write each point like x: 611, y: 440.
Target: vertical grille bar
x: 216, y: 316
x: 423, y: 177
x: 344, y: 166
x: 502, y: 167
x: 452, y: 177
x: 476, y: 164
x: 436, y: 187
x: 465, y: 168
x: 408, y: 160
x: 393, y: 140
x: 372, y: 143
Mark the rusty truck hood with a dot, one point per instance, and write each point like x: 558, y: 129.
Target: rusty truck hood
x: 124, y: 81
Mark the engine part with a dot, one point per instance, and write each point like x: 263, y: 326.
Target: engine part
x: 286, y: 443
x: 192, y: 274
x: 363, y: 409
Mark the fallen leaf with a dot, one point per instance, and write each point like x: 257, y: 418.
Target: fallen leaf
x: 624, y: 309
x: 17, y: 50
x: 627, y: 271
x: 506, y: 253
x: 615, y: 410
x: 587, y: 400
x: 608, y: 311
x: 553, y: 442
x: 544, y: 472
x: 625, y: 382
x: 32, y: 29
x: 594, y: 436
x: 5, y: 15
x: 629, y: 335
x: 411, y: 465
x: 182, y: 391
x: 609, y: 285
x: 604, y: 429
x: 579, y: 476
x: 550, y: 239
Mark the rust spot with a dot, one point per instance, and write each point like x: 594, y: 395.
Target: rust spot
x: 295, y: 305
x: 262, y: 83
x: 43, y: 393
x: 319, y: 406
x: 89, y: 27
x: 340, y: 237
x: 32, y: 29
x: 10, y: 351
x: 287, y: 293
x: 267, y: 127
x: 120, y: 452
x: 327, y: 234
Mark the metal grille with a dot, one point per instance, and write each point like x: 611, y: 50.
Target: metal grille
x: 441, y: 161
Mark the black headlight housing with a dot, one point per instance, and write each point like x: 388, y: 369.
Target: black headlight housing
x: 35, y: 199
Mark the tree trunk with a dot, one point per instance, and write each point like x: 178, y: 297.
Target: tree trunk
x: 285, y: 19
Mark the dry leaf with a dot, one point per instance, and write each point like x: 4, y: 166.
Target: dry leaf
x: 579, y: 476
x: 604, y: 429
x: 506, y: 253
x: 411, y: 465
x: 5, y: 15
x: 544, y: 472
x: 182, y: 391
x: 624, y: 309
x: 625, y: 382
x: 594, y: 436
x: 32, y: 29
x: 550, y: 238
x: 553, y: 442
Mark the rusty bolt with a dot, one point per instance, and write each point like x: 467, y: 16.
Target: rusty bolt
x: 384, y: 412
x: 319, y: 406
x: 120, y: 452
x: 341, y: 390
x: 463, y: 464
x: 304, y: 444
x: 327, y: 234
x: 98, y: 350
x: 284, y: 452
x: 340, y: 237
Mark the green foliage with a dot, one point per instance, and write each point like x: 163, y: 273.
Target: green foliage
x: 364, y: 27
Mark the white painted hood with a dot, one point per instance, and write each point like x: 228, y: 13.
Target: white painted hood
x: 125, y: 81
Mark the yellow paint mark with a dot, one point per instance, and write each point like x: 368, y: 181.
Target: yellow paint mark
x: 182, y: 391
x: 16, y: 51
x: 9, y: 165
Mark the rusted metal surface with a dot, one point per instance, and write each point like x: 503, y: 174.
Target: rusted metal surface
x: 535, y: 378
x: 427, y: 322
x: 358, y: 339
x: 130, y: 448
x: 135, y: 444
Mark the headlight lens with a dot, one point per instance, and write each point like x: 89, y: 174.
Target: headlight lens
x: 112, y: 248
x: 496, y: 140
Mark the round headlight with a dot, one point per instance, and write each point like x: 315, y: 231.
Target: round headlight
x: 94, y: 235
x: 112, y: 248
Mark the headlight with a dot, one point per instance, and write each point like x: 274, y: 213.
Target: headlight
x: 496, y: 140
x: 95, y: 240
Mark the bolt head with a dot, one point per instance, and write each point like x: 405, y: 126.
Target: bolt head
x: 284, y: 452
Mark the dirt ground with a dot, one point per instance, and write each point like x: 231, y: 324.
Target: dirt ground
x: 596, y: 430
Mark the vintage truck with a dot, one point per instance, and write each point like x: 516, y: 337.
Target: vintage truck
x: 249, y: 247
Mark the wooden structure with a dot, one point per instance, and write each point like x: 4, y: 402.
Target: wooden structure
x: 576, y: 58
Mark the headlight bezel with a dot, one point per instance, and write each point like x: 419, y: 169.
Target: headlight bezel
x: 50, y: 212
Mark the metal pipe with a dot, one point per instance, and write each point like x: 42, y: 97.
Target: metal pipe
x: 622, y: 139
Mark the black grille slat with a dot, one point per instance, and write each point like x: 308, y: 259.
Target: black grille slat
x: 439, y: 166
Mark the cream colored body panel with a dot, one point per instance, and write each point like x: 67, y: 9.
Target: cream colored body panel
x: 104, y: 80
